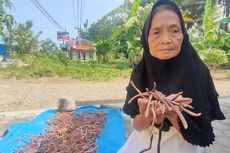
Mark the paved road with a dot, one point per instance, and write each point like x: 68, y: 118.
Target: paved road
x: 221, y: 128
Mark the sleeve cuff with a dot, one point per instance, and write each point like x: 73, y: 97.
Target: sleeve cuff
x: 199, y: 131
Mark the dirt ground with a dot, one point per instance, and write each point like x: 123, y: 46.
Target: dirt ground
x: 44, y: 92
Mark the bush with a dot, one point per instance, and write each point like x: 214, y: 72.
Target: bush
x: 216, y: 57
x: 57, y: 64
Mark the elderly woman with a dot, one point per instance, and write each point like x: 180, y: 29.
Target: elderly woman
x: 170, y: 60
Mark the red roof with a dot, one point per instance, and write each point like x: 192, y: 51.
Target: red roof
x: 83, y: 47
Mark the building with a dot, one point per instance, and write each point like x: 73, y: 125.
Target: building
x: 82, y: 49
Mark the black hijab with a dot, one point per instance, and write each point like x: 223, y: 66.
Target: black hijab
x: 185, y: 72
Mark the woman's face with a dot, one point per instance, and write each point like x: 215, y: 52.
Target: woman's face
x: 165, y: 35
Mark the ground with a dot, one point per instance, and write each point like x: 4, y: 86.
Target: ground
x: 44, y: 92
x: 22, y: 100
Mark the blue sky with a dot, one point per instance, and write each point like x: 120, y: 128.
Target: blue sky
x: 62, y: 12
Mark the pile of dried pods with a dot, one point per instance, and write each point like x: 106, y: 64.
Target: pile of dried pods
x: 68, y: 132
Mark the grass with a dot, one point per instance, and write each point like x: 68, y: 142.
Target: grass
x: 56, y: 65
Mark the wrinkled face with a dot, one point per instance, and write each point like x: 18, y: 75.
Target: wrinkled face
x: 165, y: 35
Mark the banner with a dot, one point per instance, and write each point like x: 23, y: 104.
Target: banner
x: 62, y: 36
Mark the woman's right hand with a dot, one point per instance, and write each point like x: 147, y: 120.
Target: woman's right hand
x: 143, y: 103
x: 141, y: 122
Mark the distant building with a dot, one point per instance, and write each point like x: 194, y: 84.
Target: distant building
x: 82, y: 49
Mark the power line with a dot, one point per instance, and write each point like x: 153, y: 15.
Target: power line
x: 47, y: 15
x: 74, y: 16
x: 78, y: 13
x: 83, y: 3
x: 43, y: 13
x: 81, y: 14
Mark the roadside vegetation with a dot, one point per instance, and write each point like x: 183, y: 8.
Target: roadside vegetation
x: 117, y: 39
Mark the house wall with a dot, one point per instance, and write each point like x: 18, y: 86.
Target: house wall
x: 82, y: 55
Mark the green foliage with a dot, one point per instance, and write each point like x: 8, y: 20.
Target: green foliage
x: 113, y: 33
x: 217, y: 38
x: 132, y: 30
x: 5, y: 19
x: 208, y: 16
x: 145, y: 2
x: 101, y: 31
x: 210, y: 42
x: 103, y: 28
x: 21, y: 39
x: 56, y: 64
x: 103, y: 50
x: 216, y: 57
x: 134, y: 8
x: 224, y: 20
x: 48, y: 45
x: 120, y: 46
x: 228, y: 54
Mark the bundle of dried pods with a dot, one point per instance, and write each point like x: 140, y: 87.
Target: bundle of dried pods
x: 158, y: 104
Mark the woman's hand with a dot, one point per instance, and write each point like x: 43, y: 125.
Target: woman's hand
x: 142, y: 122
x: 143, y: 104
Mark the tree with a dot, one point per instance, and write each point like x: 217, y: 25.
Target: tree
x: 48, y: 46
x: 133, y: 29
x: 211, y: 42
x: 145, y: 2
x: 208, y: 16
x: 21, y: 38
x: 103, y: 28
x: 103, y: 49
x: 194, y: 8
x: 100, y: 32
x: 6, y: 20
x: 120, y: 46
